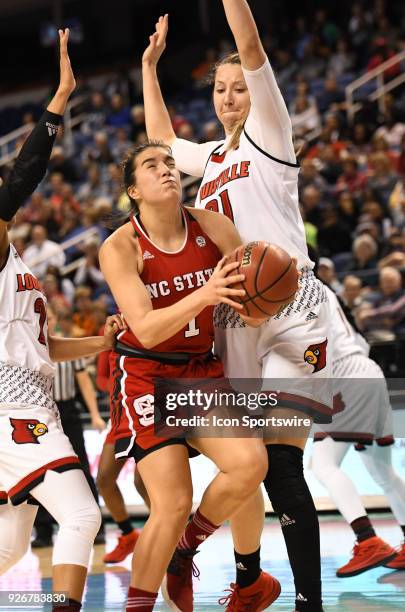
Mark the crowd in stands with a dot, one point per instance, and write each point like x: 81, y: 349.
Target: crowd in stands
x: 352, y: 179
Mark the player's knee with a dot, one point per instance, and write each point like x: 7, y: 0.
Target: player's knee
x: 251, y: 470
x: 177, y: 509
x: 285, y: 482
x: 85, y: 518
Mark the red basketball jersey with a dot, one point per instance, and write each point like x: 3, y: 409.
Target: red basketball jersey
x: 171, y: 276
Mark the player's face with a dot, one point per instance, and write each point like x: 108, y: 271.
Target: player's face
x: 231, y: 96
x: 157, y: 179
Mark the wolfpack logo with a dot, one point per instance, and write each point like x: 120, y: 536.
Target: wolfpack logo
x: 52, y: 129
x: 286, y: 520
x: 147, y: 255
x: 315, y: 355
x: 27, y: 431
x: 200, y: 240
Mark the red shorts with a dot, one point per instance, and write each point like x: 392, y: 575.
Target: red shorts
x: 132, y: 398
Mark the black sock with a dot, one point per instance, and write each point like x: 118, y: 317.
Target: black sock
x: 403, y: 529
x: 292, y: 501
x: 125, y: 526
x: 71, y: 605
x: 363, y: 528
x: 247, y: 568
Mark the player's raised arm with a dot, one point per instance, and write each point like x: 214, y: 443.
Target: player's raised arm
x: 244, y: 30
x: 157, y: 118
x: 32, y: 161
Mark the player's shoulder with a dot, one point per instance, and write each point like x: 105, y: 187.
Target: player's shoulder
x: 120, y: 241
x: 210, y: 220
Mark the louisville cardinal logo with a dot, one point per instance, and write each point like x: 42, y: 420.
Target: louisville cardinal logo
x: 27, y: 431
x: 315, y: 355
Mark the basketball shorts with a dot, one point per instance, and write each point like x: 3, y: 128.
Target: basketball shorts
x: 365, y: 412
x: 290, y: 353
x: 110, y: 437
x: 31, y: 442
x: 132, y: 400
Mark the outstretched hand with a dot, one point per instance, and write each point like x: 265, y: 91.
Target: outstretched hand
x: 67, y: 80
x: 157, y: 42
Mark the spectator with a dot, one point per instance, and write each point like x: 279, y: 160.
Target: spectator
x: 348, y: 210
x: 332, y: 98
x: 327, y: 274
x: 333, y: 233
x: 83, y: 315
x: 41, y: 252
x: 305, y: 118
x: 342, y: 60
x: 351, y: 180
x: 96, y: 114
x: 382, y: 179
x: 53, y: 294
x: 364, y: 251
x: 396, y: 203
x: 351, y: 293
x: 89, y: 273
x: 119, y: 115
x: 137, y: 121
x: 121, y: 144
x: 386, y: 311
x: 309, y: 175
x: 93, y: 186
x: 311, y: 203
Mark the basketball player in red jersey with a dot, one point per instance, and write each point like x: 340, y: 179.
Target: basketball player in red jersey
x: 165, y: 271
x: 36, y: 458
x: 252, y: 177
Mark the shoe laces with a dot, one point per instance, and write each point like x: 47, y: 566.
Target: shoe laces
x: 235, y: 599
x: 182, y: 563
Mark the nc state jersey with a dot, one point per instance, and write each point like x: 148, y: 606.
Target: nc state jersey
x: 258, y: 193
x: 346, y: 340
x: 23, y: 321
x: 171, y: 276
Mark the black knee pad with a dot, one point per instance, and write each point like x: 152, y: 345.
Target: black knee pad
x: 285, y: 483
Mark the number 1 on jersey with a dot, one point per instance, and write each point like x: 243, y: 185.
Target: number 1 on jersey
x: 225, y: 205
x: 192, y: 329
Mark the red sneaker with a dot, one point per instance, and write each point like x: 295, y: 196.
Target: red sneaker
x: 398, y: 562
x: 258, y: 596
x: 177, y: 587
x: 125, y: 547
x: 366, y: 555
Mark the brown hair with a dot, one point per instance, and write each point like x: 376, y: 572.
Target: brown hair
x: 231, y: 58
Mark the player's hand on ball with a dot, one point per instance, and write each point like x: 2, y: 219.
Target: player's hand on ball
x: 157, y: 42
x: 219, y: 287
x: 67, y: 80
x: 113, y: 325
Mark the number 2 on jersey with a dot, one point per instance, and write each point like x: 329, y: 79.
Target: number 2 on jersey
x: 225, y: 205
x: 40, y: 308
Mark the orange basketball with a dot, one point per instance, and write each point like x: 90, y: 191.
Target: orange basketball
x: 271, y: 278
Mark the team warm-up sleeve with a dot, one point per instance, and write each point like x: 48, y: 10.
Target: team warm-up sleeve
x: 30, y: 166
x: 268, y: 123
x: 190, y: 157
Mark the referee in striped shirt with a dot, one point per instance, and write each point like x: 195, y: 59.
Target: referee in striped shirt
x: 67, y: 374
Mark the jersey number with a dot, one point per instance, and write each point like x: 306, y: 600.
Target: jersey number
x: 225, y: 205
x: 39, y: 308
x: 192, y: 330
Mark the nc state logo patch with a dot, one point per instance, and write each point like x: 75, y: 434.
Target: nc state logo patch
x: 315, y: 355
x: 27, y: 431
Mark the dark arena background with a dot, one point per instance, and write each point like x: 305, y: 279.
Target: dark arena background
x: 341, y: 69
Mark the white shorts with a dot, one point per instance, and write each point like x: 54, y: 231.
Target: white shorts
x: 31, y: 442
x: 293, y: 346
x: 364, y: 412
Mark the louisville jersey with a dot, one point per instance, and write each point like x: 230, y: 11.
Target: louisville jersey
x: 346, y: 340
x: 171, y: 276
x: 23, y: 321
x: 258, y: 193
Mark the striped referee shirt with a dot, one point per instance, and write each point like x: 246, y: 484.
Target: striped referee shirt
x: 64, y: 387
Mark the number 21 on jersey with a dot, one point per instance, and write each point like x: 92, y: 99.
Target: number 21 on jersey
x: 221, y: 204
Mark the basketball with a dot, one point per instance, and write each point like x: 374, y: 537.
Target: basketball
x: 271, y: 278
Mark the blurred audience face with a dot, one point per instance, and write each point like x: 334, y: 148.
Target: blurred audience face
x: 326, y: 270
x: 364, y: 249
x: 116, y: 102
x: 97, y: 100
x: 390, y: 281
x: 346, y: 203
x: 311, y: 196
x: 38, y: 235
x: 351, y: 289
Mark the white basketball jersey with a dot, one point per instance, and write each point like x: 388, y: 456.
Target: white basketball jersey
x: 23, y: 321
x: 258, y: 193
x: 346, y: 341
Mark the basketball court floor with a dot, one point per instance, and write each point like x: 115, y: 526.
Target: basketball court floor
x: 379, y: 590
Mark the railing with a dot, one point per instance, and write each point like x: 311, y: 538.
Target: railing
x: 382, y: 88
x: 5, y: 142
x: 92, y: 231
